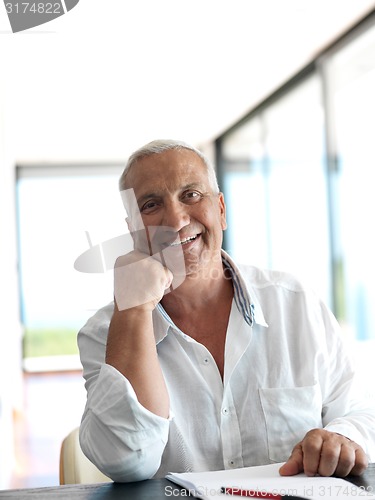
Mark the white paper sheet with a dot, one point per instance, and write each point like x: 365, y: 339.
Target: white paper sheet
x: 207, y: 485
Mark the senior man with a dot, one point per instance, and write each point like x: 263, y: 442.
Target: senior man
x: 234, y: 366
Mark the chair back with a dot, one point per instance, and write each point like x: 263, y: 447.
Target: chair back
x: 75, y: 467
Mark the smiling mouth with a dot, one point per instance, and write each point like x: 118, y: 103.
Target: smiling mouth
x: 185, y: 241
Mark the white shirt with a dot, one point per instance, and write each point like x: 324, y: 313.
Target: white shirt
x: 286, y: 372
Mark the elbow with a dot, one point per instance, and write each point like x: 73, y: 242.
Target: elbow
x: 138, y: 470
x: 115, y: 459
x: 133, y: 467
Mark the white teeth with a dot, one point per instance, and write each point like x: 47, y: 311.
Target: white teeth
x: 189, y: 238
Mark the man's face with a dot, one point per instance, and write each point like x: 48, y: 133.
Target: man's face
x: 173, y: 192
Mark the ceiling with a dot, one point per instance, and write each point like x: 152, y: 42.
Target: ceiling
x: 111, y: 75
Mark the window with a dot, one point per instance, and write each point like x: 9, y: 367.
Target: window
x: 297, y: 174
x: 350, y: 74
x: 273, y: 174
x: 59, y: 211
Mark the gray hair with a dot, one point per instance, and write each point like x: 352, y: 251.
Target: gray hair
x: 160, y: 146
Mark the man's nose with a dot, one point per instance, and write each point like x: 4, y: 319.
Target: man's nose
x: 176, y: 216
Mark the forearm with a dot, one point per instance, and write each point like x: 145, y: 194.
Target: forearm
x: 132, y: 351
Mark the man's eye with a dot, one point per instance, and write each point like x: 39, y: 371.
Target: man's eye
x: 149, y: 206
x: 192, y: 196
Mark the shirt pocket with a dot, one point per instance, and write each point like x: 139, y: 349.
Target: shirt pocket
x: 289, y: 413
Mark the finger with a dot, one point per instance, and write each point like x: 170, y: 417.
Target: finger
x: 361, y: 462
x: 294, y: 464
x: 346, y: 460
x: 330, y: 457
x: 311, y: 449
x: 129, y: 258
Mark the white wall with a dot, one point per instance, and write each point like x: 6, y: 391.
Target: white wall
x: 10, y: 331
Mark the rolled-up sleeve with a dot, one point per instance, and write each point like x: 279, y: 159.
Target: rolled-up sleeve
x: 121, y: 437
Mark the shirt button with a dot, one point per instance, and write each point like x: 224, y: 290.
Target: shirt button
x: 225, y: 411
x: 231, y: 463
x: 206, y: 361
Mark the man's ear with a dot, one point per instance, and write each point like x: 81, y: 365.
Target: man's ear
x: 223, y: 212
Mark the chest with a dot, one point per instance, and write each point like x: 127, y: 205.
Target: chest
x: 212, y: 334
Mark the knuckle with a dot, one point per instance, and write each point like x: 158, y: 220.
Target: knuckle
x: 314, y: 434
x: 347, y: 462
x: 297, y: 449
x: 361, y: 461
x: 121, y: 261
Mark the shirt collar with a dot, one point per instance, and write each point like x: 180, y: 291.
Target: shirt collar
x: 247, y: 305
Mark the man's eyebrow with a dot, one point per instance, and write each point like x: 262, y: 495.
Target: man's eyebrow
x: 147, y: 196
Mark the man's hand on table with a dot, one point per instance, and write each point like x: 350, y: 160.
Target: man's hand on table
x: 325, y: 453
